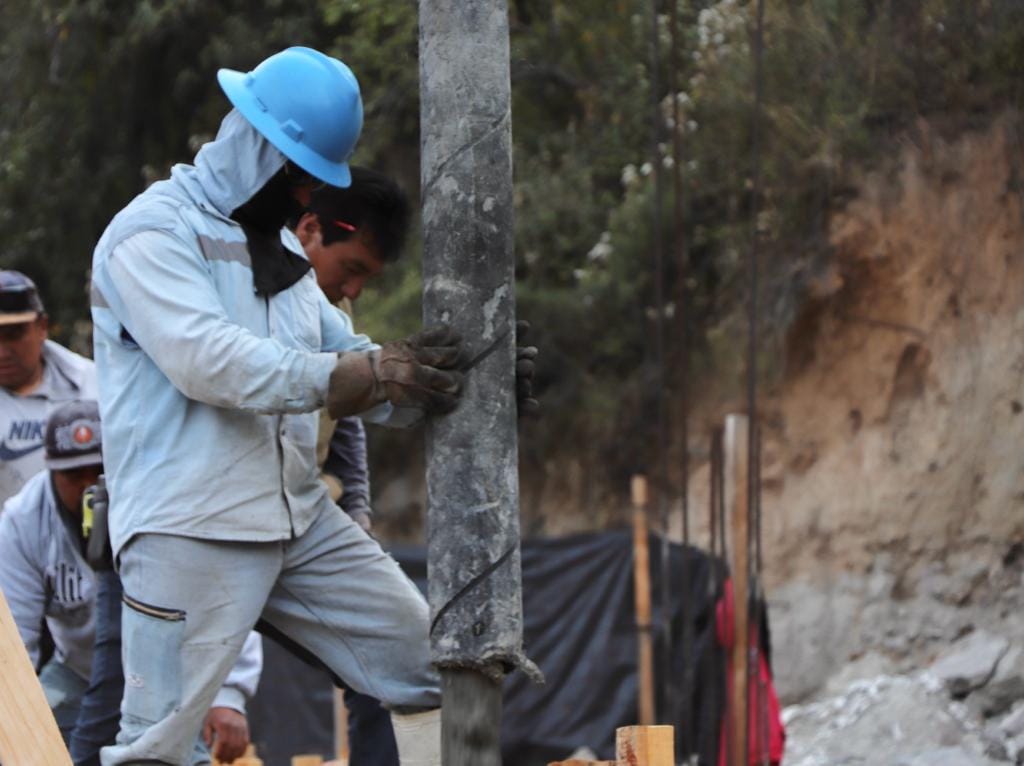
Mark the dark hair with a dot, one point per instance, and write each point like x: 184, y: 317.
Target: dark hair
x: 373, y: 203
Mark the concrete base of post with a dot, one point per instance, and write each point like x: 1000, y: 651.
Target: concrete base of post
x: 470, y: 719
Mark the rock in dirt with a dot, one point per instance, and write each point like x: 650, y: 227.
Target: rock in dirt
x: 946, y: 756
x: 996, y: 697
x: 885, y: 721
x: 1013, y: 724
x: 970, y: 662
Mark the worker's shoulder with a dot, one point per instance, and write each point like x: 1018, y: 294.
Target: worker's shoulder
x: 77, y: 367
x: 28, y: 525
x: 161, y: 208
x: 25, y: 514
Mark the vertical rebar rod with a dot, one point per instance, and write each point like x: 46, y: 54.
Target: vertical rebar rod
x: 680, y: 249
x: 755, y: 194
x: 753, y: 541
x: 681, y: 714
x: 659, y: 356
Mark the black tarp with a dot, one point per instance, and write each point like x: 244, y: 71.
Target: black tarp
x: 580, y: 629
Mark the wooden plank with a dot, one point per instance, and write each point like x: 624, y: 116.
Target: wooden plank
x: 645, y: 746
x: 307, y: 760
x: 28, y: 732
x: 642, y: 598
x: 737, y: 474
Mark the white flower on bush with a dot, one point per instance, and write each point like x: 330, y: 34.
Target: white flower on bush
x: 629, y: 175
x: 668, y: 311
x: 717, y: 26
x: 602, y: 249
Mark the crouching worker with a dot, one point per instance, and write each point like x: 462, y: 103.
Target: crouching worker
x: 44, y: 574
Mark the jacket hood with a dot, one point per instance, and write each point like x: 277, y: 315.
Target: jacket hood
x: 231, y: 168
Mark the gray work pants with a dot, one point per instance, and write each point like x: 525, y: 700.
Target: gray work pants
x: 190, y: 603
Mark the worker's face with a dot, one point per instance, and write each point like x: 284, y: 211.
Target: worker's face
x: 21, y: 352
x: 342, y: 268
x: 71, y: 485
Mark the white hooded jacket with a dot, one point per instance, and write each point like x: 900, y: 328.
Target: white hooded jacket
x: 209, y: 391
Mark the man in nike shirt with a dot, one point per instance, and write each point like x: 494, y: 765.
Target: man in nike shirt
x: 36, y: 375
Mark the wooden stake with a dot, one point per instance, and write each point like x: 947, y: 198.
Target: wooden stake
x: 737, y: 474
x: 642, y: 597
x: 645, y: 746
x: 28, y: 732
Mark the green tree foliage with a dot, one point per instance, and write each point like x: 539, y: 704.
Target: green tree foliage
x: 102, y: 96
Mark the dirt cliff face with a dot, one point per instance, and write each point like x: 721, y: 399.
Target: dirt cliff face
x: 900, y: 423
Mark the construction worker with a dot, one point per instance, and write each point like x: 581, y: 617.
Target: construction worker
x: 365, y: 227
x: 36, y: 374
x: 349, y: 235
x: 44, y: 575
x: 214, y: 349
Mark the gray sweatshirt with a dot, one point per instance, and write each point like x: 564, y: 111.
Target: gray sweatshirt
x: 43, y: 574
x: 66, y: 376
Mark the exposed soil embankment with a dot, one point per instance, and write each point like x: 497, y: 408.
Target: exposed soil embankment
x: 900, y: 426
x: 899, y: 422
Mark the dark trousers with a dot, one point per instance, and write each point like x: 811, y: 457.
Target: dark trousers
x: 371, y: 740
x: 100, y: 710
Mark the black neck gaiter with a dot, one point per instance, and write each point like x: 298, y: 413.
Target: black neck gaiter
x: 274, y: 267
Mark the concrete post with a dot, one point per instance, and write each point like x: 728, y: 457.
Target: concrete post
x: 468, y: 274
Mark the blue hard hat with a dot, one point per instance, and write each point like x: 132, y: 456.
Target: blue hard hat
x: 306, y: 104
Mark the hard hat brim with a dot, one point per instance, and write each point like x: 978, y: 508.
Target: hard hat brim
x: 233, y: 85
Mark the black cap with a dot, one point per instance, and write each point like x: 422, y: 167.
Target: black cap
x: 19, y: 298
x: 73, y: 436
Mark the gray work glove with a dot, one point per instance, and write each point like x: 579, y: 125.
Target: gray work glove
x: 525, y: 356
x: 419, y: 372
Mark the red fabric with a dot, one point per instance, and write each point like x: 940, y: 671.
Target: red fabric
x: 764, y: 715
